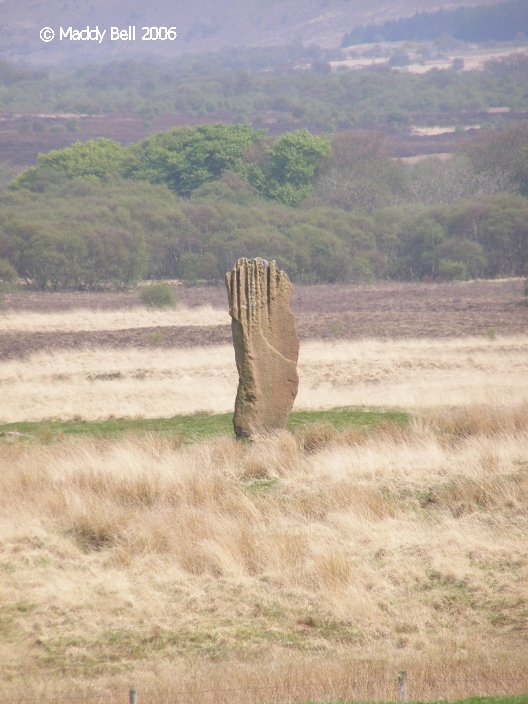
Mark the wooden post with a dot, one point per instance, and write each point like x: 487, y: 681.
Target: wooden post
x: 402, y: 684
x: 132, y: 696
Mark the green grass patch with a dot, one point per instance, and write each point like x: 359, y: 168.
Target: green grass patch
x: 260, y: 487
x: 519, y: 699
x: 346, y: 416
x: 193, y: 427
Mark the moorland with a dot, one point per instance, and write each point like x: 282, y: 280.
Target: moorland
x: 385, y: 529
x: 385, y: 535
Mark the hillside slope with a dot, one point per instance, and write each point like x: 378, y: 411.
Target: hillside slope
x: 204, y: 26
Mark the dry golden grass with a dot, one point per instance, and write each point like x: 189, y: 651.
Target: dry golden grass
x: 321, y: 563
x: 77, y: 319
x: 95, y: 384
x: 302, y: 566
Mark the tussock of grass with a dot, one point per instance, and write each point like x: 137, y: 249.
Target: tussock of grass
x: 484, y: 419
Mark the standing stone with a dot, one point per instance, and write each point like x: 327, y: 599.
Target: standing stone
x: 266, y: 346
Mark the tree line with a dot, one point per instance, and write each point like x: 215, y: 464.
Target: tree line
x: 285, y: 97
x: 185, y: 158
x: 188, y: 202
x: 499, y: 22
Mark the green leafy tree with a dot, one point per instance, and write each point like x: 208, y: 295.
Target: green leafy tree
x: 291, y: 165
x: 187, y: 157
x: 102, y: 158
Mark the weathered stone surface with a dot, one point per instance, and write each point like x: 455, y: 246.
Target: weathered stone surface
x: 266, y: 345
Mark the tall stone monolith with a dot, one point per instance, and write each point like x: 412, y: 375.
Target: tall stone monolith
x: 266, y: 345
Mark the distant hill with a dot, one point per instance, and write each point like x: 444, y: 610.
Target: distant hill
x: 500, y: 22
x: 204, y: 25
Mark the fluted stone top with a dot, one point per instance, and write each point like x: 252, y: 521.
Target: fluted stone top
x: 253, y: 283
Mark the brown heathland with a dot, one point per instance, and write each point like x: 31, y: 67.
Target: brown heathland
x: 325, y: 312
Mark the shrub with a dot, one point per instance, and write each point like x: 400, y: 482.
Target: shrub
x: 195, y: 267
x: 452, y: 271
x: 159, y: 296
x: 8, y: 275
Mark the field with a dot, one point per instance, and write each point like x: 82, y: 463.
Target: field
x: 314, y: 564
x: 326, y: 312
x: 394, y: 345
x: 474, y: 58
